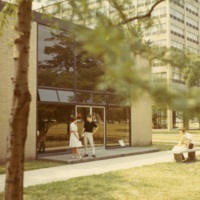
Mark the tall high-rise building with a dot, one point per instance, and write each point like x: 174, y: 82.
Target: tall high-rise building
x: 176, y: 26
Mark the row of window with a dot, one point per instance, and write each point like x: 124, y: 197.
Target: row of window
x: 177, y: 31
x: 180, y: 33
x: 162, y: 76
x: 189, y: 7
x: 187, y: 23
x: 145, y: 2
x: 175, y: 45
x: 80, y: 97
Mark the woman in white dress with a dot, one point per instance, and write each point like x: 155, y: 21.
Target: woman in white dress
x: 74, y: 142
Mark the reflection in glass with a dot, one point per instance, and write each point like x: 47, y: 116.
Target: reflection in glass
x: 113, y: 99
x: 98, y: 117
x: 48, y: 95
x: 53, y: 124
x: 177, y: 118
x: 55, y: 58
x: 99, y: 98
x: 159, y: 118
x: 125, y: 100
x: 66, y: 96
x: 84, y: 97
x: 117, y: 127
x: 81, y: 114
x: 89, y: 70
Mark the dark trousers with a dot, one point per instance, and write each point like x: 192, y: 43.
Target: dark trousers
x: 190, y: 147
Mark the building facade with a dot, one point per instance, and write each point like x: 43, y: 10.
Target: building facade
x: 62, y: 82
x: 176, y: 26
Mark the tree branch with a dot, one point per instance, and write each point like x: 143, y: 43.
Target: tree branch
x: 142, y: 16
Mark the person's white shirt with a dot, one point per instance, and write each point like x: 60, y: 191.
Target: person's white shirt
x: 189, y: 136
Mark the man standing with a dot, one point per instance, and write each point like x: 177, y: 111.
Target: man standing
x: 88, y: 132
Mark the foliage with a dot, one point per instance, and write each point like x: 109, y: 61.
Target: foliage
x: 119, y: 46
x: 49, y: 116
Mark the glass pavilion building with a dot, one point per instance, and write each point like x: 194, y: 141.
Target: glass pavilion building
x: 62, y: 82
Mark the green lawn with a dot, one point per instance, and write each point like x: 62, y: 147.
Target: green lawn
x: 34, y: 164
x: 165, y: 181
x: 174, y: 136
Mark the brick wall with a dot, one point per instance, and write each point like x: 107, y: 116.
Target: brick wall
x: 6, y: 88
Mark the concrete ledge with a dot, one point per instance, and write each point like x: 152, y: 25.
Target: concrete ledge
x: 101, y: 154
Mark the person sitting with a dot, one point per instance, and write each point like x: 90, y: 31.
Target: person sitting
x: 191, y: 144
x: 183, y: 142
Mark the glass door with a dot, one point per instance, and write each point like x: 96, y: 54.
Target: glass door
x: 98, y: 116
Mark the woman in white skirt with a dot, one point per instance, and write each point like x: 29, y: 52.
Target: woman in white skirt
x: 182, y: 144
x: 74, y: 142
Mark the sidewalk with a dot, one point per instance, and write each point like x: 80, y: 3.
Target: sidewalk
x: 65, y: 172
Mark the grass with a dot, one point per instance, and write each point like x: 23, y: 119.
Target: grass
x: 162, y: 181
x: 163, y: 146
x: 34, y: 164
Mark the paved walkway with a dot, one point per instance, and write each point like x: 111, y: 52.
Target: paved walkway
x: 60, y: 173
x: 65, y: 172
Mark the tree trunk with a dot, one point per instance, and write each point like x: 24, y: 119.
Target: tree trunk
x: 185, y: 120
x: 20, y: 106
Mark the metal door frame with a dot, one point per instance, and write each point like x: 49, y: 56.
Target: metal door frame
x: 104, y: 115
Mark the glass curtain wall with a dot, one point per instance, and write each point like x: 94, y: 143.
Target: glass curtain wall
x: 56, y: 94
x: 159, y: 118
x: 67, y: 78
x: 118, y: 127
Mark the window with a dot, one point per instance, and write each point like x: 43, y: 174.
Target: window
x: 192, y: 50
x: 84, y: 97
x: 177, y: 45
x: 156, y: 30
x: 159, y: 43
x: 177, y: 78
x: 179, y: 3
x: 56, y: 58
x: 141, y: 3
x: 176, y: 15
x: 192, y: 23
x: 158, y: 63
x: 192, y: 9
x: 158, y: 13
x: 48, y: 95
x: 99, y: 98
x: 66, y: 96
x: 117, y: 126
x: 175, y: 30
x: 89, y: 70
x: 192, y: 38
x: 162, y: 76
x: 159, y: 118
x: 113, y: 99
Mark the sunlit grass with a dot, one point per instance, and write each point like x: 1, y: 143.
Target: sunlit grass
x: 164, y: 181
x: 34, y: 164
